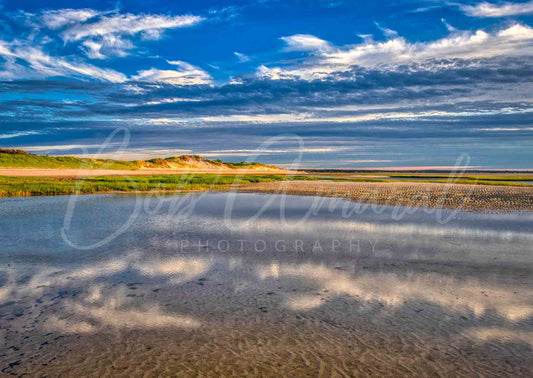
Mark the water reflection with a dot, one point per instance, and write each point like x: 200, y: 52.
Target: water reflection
x: 101, y: 309
x: 396, y: 289
x: 501, y: 334
x: 473, y: 277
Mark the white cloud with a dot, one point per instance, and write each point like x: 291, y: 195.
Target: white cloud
x: 5, y: 50
x: 100, y: 35
x: 42, y: 65
x: 502, y: 9
x: 321, y: 117
x: 107, y: 45
x: 324, y: 118
x: 305, y: 42
x: 184, y: 74
x: 64, y: 147
x: 106, y: 34
x: 326, y: 59
x: 450, y: 28
x: 272, y: 151
x: 170, y: 100
x: 56, y: 66
x: 242, y: 58
x: 18, y: 134
x: 389, y: 33
x: 56, y: 19
x: 128, y: 24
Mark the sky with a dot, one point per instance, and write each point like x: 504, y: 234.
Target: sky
x: 319, y: 83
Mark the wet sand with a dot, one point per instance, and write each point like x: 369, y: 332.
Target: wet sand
x: 212, y: 331
x: 378, y: 296
x: 279, y: 319
x: 485, y: 198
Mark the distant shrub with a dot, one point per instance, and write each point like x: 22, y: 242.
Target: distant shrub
x: 13, y: 152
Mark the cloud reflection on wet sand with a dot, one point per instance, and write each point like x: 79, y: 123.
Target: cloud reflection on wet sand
x: 393, y: 289
x: 111, y: 309
x: 425, y: 288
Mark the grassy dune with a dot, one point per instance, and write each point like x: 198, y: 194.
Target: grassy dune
x: 23, y: 159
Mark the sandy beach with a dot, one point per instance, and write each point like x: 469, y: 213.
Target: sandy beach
x: 484, y: 198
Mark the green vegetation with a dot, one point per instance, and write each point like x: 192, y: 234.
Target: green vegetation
x: 45, y: 186
x: 38, y: 186
x: 22, y: 159
x: 26, y: 160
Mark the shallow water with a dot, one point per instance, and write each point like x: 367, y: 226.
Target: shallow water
x: 251, y: 284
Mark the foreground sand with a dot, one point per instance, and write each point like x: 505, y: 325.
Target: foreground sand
x: 413, y: 194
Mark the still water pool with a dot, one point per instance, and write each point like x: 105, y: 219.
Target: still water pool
x: 221, y: 283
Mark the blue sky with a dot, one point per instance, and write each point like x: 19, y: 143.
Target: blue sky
x: 341, y: 83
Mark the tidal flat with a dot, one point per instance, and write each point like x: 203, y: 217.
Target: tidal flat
x: 245, y: 284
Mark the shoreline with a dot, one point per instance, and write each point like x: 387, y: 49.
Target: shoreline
x: 474, y: 198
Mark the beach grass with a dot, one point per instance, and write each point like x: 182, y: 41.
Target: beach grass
x: 38, y: 161
x: 11, y: 186
x: 42, y: 186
